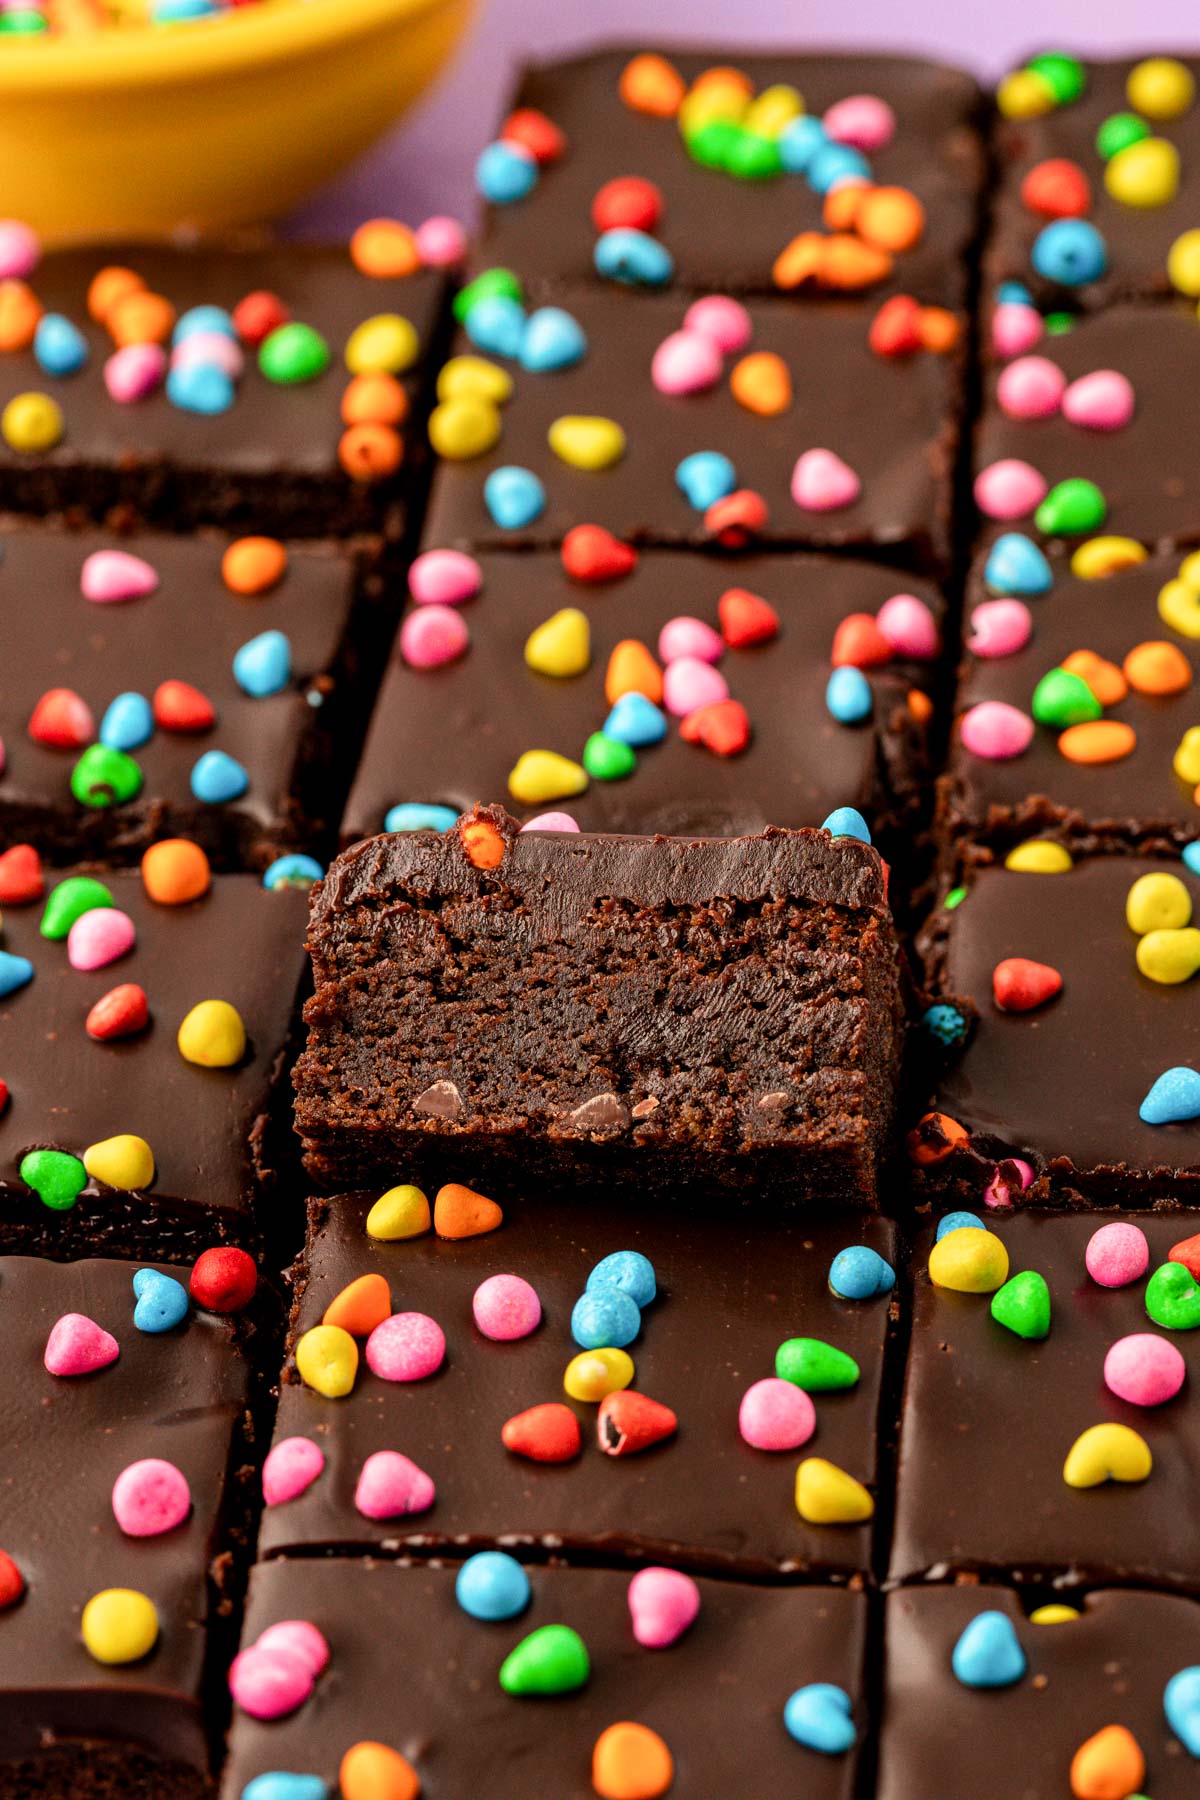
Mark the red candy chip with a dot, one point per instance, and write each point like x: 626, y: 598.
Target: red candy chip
x: 549, y: 1433
x: 3, y: 1095
x: 896, y: 327
x: 737, y: 518
x: 746, y: 618
x: 223, y: 1279
x: 119, y: 1013
x: 259, y: 314
x: 178, y: 706
x: 627, y: 202
x: 1188, y: 1253
x: 589, y: 553
x: 1057, y: 189
x: 858, y: 643
x: 12, y: 1582
x: 628, y: 1422
x: 1019, y: 985
x: 543, y: 139
x: 723, y: 727
x: 20, y: 876
x: 63, y: 719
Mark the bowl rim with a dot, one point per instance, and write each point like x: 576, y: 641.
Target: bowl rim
x: 196, y: 50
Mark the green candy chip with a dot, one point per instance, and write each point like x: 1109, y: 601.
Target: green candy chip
x: 1022, y: 1305
x: 69, y: 901
x: 55, y: 1177
x: 605, y: 759
x: 815, y: 1366
x: 551, y: 1660
x: 104, y: 777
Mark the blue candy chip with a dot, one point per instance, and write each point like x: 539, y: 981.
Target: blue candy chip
x: 819, y: 1717
x: 633, y: 258
x: 552, y: 339
x: 705, y: 477
x: 492, y: 1585
x: 628, y: 1270
x: 1013, y: 293
x: 1181, y: 1703
x: 799, y: 142
x: 860, y: 1273
x: 15, y: 972
x: 959, y: 1221
x: 1071, y: 252
x: 162, y: 1302
x: 204, y: 318
x: 295, y: 870
x: 945, y: 1022
x: 514, y: 497
x: 636, y: 721
x: 848, y: 695
x: 59, y: 346
x: 1174, y: 1097
x: 505, y: 172
x: 605, y: 1317
x: 128, y: 722
x: 1015, y: 565
x: 410, y: 815
x: 217, y: 778
x: 278, y: 1784
x: 835, y: 162
x: 496, y: 324
x: 989, y: 1653
x: 846, y: 821
x: 200, y: 388
x: 1191, y: 857
x: 263, y: 665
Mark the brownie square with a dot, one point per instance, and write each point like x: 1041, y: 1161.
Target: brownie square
x: 1108, y: 1667
x: 652, y: 1010
x: 1061, y: 1086
x: 893, y: 420
x: 206, y: 1126
x: 1136, y: 801
x: 728, y: 1297
x: 800, y: 764
x: 725, y: 232
x: 270, y: 461
x: 1137, y: 239
x: 189, y: 629
x: 1146, y: 470
x: 988, y: 1419
x: 409, y: 1668
x: 69, y: 1724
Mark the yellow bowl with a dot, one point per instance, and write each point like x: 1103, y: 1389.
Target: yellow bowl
x: 221, y: 121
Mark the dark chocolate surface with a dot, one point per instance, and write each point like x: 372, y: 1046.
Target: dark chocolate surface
x: 1108, y: 1667
x: 988, y: 1419
x: 894, y: 421
x: 410, y: 1669
x: 179, y: 1395
x: 729, y: 1294
x: 189, y: 629
x: 723, y: 232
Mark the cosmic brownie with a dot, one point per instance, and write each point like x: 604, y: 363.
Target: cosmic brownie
x: 993, y: 1453
x: 143, y: 696
x: 95, y: 1383
x: 91, y: 1011
x: 724, y: 223
x: 835, y: 446
x: 706, y: 1496
x: 1090, y: 438
x: 1081, y: 1064
x: 1093, y: 667
x: 410, y: 1669
x: 771, y: 625
x: 1098, y: 184
x: 1041, y: 1705
x: 654, y: 1010
x: 222, y: 442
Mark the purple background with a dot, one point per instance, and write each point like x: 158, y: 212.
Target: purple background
x: 424, y: 166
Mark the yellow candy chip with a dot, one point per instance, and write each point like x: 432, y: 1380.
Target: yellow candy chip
x: 1158, y: 903
x: 1186, y: 762
x: 1107, y: 1453
x: 1144, y: 174
x: 1189, y: 571
x: 1025, y: 95
x: 402, y: 1212
x: 594, y: 1373
x: 1169, y: 957
x: 826, y: 1495
x: 385, y: 345
x: 120, y: 1162
x: 542, y: 775
x: 774, y: 108
x: 119, y: 1625
x: 562, y: 645
x: 474, y: 377
x: 327, y: 1358
x: 213, y: 1035
x: 587, y: 442
x: 1102, y: 556
x: 1160, y: 88
x: 1179, y: 607
x: 970, y: 1261
x: 1183, y: 263
x: 1053, y: 1614
x: 711, y: 99
x: 464, y: 427
x: 32, y: 422
x: 1036, y: 856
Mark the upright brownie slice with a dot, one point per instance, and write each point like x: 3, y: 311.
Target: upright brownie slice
x: 411, y: 1670
x: 725, y: 1012
x: 121, y: 1389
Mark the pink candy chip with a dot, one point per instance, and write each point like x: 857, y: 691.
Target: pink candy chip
x: 1144, y: 1369
x: 1031, y: 388
x: 662, y: 1605
x: 1117, y: 1254
x: 684, y: 636
x: 20, y: 250
x: 444, y: 578
x: 100, y: 937
x: 551, y: 821
x: 291, y: 1468
x: 408, y: 1346
x: 822, y: 482
x: 390, y: 1485
x: 909, y: 627
x: 506, y: 1307
x: 722, y: 319
x: 862, y: 120
x: 441, y: 241
x: 135, y: 371
x: 109, y: 575
x: 995, y: 731
x: 150, y: 1497
x: 433, y: 635
x: 687, y: 362
x: 78, y: 1346
x: 1016, y: 328
x: 213, y: 349
x: 1102, y: 401
x: 1000, y: 628
x: 776, y: 1415
x: 998, y: 1191
x: 689, y: 684
x: 1009, y: 489
x: 298, y: 1637
x: 278, y: 1673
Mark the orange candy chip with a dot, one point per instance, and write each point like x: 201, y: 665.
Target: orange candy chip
x: 631, y: 1762
x: 459, y: 1212
x: 371, y: 1771
x: 384, y: 248
x: 939, y: 329
x: 762, y: 383
x: 253, y: 565
x: 360, y: 1306
x: 374, y: 400
x: 842, y: 261
x: 175, y: 871
x: 935, y: 1137
x: 1158, y: 668
x: 140, y: 317
x: 650, y: 84
x: 632, y: 670
x: 483, y: 844
x: 1097, y: 741
x: 1110, y: 1766
x: 890, y: 218
x: 370, y: 452
x: 108, y: 286
x: 20, y: 310
x: 1103, y: 677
